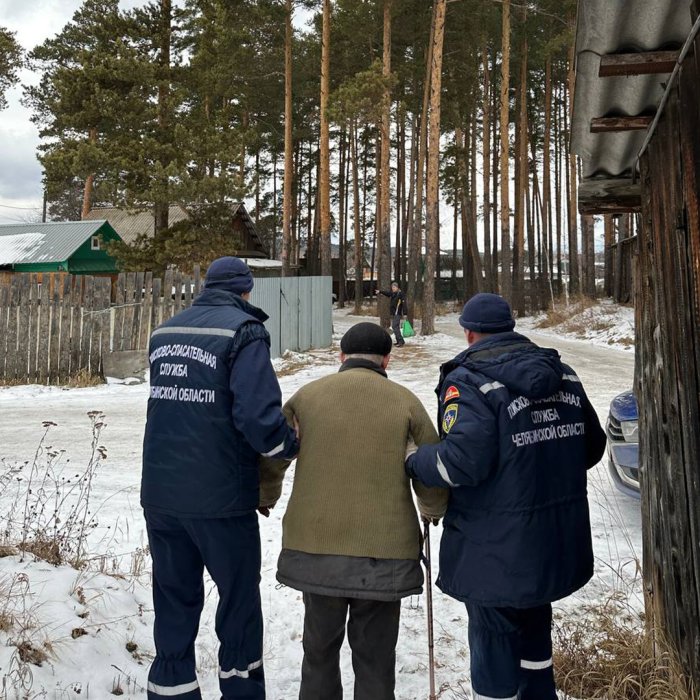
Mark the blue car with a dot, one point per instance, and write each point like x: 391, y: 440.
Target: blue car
x: 623, y: 443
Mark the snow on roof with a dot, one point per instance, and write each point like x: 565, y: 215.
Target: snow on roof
x: 263, y: 264
x: 18, y: 247
x: 22, y: 244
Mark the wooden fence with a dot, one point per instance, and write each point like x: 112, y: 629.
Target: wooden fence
x: 56, y: 327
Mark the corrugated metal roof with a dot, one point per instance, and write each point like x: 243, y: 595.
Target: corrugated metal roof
x: 44, y: 243
x: 611, y: 27
x: 132, y: 224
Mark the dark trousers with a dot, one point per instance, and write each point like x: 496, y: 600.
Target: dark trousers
x: 373, y: 628
x: 230, y: 550
x: 511, y: 653
x: 396, y: 327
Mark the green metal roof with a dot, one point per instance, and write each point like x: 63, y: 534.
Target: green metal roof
x: 23, y: 244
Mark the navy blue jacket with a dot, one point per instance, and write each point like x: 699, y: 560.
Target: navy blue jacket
x: 214, y: 406
x: 518, y: 434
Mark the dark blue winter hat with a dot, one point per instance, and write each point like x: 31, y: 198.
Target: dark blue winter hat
x: 231, y: 274
x: 487, y: 313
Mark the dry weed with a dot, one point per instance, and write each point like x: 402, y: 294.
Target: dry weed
x: 610, y: 653
x: 84, y: 379
x: 561, y: 313
x: 30, y: 654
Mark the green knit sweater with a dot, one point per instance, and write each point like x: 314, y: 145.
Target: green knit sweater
x: 351, y: 495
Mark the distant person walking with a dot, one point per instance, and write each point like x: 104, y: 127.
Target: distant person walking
x: 397, y: 310
x: 518, y: 434
x: 351, y: 536
x: 214, y: 407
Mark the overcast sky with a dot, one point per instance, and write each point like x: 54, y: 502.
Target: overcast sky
x: 20, y: 172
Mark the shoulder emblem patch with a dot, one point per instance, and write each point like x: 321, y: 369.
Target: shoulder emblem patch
x: 449, y: 418
x: 451, y: 393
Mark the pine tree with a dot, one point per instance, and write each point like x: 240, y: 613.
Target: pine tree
x: 90, y: 102
x: 10, y: 63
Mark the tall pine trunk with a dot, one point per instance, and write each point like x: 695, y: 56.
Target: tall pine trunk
x: 288, y: 194
x: 384, y: 224
x: 574, y: 275
x: 359, y: 258
x: 162, y: 200
x: 521, y: 165
x: 89, y: 181
x: 486, y: 161
x: 506, y: 253
x: 547, y: 177
x: 433, y: 194
x: 325, y: 162
x: 417, y: 230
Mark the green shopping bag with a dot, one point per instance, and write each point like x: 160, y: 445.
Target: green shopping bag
x: 407, y: 329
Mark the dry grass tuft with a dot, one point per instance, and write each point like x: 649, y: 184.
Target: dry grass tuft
x: 7, y: 621
x: 30, y: 654
x: 610, y: 653
x: 561, y: 313
x: 84, y: 379
x: 45, y: 549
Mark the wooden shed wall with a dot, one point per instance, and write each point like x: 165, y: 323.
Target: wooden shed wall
x: 668, y: 368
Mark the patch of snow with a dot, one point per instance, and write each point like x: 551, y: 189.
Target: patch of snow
x: 18, y: 247
x: 120, y: 609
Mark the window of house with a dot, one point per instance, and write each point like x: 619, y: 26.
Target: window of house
x: 95, y: 243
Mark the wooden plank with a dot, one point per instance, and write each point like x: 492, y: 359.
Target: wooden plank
x: 54, y: 334
x: 156, y: 305
x: 33, y: 328
x: 138, y: 311
x: 21, y: 359
x: 167, y: 295
x: 186, y: 291
x: 44, y: 331
x: 606, y: 125
x: 128, y: 326
x: 64, y: 343
x: 3, y: 330
x: 177, y: 292
x: 609, y: 196
x: 146, y: 312
x: 86, y: 322
x: 197, y: 280
x: 102, y: 346
x: 119, y: 309
x: 76, y: 324
x: 11, y: 359
x: 644, y: 63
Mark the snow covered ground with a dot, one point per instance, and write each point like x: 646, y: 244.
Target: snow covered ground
x: 109, y: 604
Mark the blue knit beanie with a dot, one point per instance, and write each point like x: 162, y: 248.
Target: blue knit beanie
x: 487, y: 313
x: 230, y: 274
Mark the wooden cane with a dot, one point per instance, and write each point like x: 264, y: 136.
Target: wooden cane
x: 429, y: 601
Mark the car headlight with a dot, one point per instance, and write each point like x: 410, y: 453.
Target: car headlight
x: 630, y: 430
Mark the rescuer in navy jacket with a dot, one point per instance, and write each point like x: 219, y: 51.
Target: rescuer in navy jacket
x: 518, y: 435
x: 214, y: 407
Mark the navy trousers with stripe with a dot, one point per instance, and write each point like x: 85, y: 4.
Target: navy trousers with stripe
x: 511, y: 653
x: 230, y: 550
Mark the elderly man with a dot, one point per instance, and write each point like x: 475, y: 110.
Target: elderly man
x: 518, y: 435
x: 214, y: 407
x: 351, y: 537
